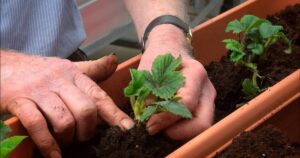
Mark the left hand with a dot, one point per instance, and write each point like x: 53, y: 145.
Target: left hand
x: 197, y: 94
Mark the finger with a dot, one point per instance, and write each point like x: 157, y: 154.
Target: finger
x: 196, y: 77
x: 83, y: 109
x: 35, y: 125
x: 59, y: 116
x: 160, y: 121
x: 163, y: 120
x: 105, y: 105
x: 99, y: 70
x: 202, y: 118
x: 187, y: 129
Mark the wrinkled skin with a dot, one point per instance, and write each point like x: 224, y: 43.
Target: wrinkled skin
x: 50, y: 93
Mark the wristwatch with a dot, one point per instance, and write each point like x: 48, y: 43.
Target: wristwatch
x: 167, y: 19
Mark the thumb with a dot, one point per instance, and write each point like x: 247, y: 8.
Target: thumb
x: 100, y: 69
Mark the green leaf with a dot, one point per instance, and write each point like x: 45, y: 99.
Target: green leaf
x: 136, y: 86
x: 167, y: 86
x: 252, y: 32
x: 150, y: 110
x: 256, y: 48
x: 250, y: 89
x: 236, y: 48
x: 249, y: 21
x: 236, y: 56
x: 235, y: 26
x: 164, y: 64
x: 4, y: 129
x: 164, y: 81
x: 175, y: 108
x: 254, y: 36
x: 9, y: 144
x: 256, y: 25
x: 233, y: 45
x: 268, y: 30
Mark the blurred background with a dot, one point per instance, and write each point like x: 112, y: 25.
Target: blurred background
x: 109, y: 29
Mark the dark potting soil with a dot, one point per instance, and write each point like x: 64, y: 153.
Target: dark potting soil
x: 111, y: 142
x: 266, y: 142
x: 227, y: 78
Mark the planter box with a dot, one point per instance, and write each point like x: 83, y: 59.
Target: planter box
x: 208, y: 47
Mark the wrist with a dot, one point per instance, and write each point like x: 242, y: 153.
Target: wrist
x: 167, y: 38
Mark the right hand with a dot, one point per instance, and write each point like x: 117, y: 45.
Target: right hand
x: 41, y: 90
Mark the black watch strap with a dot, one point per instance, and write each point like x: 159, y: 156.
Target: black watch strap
x: 167, y: 19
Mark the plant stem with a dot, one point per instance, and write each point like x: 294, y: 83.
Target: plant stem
x: 249, y: 58
x: 253, y: 70
x: 243, y: 41
x: 135, y: 107
x: 266, y: 46
x: 254, y: 79
x: 140, y: 107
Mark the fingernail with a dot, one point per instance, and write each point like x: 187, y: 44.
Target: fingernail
x: 127, y: 123
x: 55, y: 154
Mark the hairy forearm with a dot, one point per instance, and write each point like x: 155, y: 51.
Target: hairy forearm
x: 144, y: 11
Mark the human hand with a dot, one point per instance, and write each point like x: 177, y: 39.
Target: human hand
x: 98, y: 70
x: 41, y: 90
x: 197, y: 94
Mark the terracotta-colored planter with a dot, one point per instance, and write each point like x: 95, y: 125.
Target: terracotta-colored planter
x: 283, y: 98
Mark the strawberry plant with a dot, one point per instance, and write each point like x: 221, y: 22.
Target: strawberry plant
x: 158, y: 86
x: 255, y: 37
x: 8, y: 144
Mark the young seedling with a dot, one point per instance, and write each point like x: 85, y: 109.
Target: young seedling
x: 256, y: 36
x: 161, y: 84
x: 8, y: 144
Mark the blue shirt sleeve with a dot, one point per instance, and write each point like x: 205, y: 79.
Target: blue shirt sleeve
x: 41, y: 27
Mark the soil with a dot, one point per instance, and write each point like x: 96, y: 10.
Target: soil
x: 110, y: 142
x: 114, y: 143
x: 227, y: 78
x: 266, y: 142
